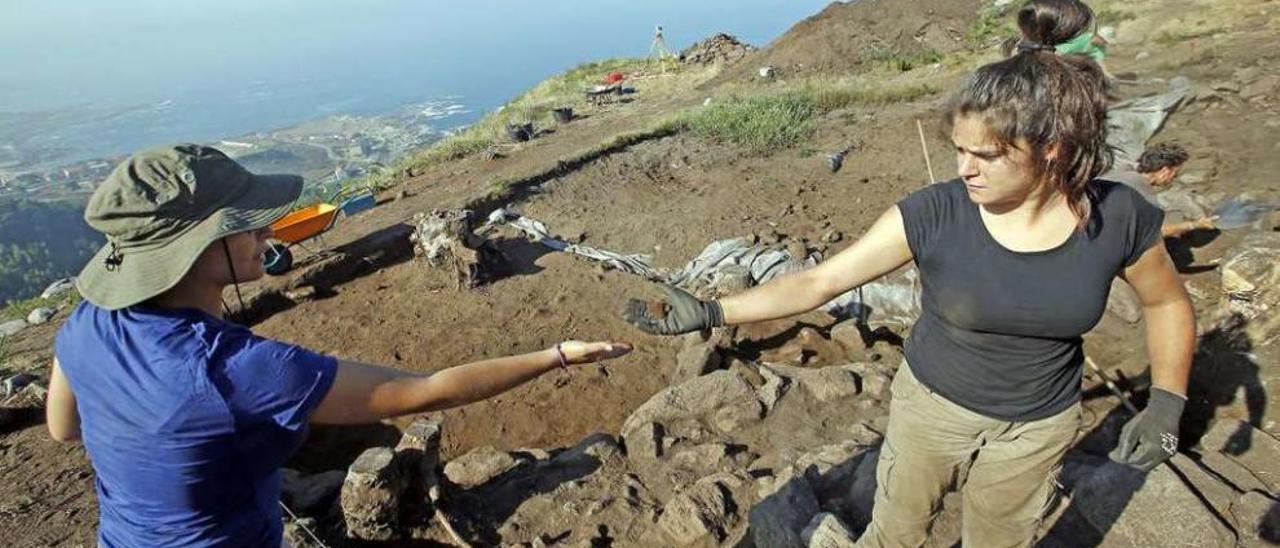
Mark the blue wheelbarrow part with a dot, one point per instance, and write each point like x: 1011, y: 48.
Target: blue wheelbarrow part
x: 356, y: 204
x: 278, y: 259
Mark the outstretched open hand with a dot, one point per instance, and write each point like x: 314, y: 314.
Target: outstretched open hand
x: 576, y: 352
x: 684, y: 313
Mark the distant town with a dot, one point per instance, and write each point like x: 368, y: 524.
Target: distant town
x: 323, y: 151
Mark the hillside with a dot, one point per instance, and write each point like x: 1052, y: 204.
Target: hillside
x: 789, y: 410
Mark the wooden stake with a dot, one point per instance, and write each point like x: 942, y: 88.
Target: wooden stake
x: 925, y: 148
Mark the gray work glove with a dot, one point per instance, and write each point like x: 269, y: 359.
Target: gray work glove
x: 1151, y: 437
x: 685, y: 314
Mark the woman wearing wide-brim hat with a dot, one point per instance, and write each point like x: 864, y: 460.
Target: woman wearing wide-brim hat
x: 186, y: 416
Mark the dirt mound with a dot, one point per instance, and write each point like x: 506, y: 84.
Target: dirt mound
x: 844, y: 37
x: 720, y: 48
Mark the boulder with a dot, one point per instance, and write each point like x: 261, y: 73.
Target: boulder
x: 719, y: 48
x: 1253, y: 449
x: 1257, y: 518
x: 40, y: 315
x: 787, y: 504
x: 1260, y: 88
x: 58, y: 288
x: 862, y: 490
x: 1251, y: 284
x: 418, y: 453
x: 311, y: 495
x: 702, y: 511
x: 10, y: 328
x: 848, y: 335
x: 478, y: 466
x: 695, y: 360
x: 694, y: 399
x: 371, y: 495
x: 1152, y: 509
x: 826, y: 530
x: 831, y: 469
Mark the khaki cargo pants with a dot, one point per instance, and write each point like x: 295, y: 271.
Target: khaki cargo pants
x: 1007, y: 470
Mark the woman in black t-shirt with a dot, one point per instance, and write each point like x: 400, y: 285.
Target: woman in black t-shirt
x: 1016, y: 257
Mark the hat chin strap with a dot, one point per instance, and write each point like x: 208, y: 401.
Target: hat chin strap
x: 234, y: 281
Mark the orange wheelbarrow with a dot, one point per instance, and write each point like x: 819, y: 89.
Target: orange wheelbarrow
x: 294, y: 229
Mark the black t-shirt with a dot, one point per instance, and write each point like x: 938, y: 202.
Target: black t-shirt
x: 1000, y: 330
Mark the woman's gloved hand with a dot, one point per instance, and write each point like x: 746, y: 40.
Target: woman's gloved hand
x: 1151, y: 437
x: 684, y: 314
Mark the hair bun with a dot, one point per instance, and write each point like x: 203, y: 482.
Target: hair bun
x: 1052, y: 22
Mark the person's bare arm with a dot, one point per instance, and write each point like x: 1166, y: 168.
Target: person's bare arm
x: 881, y: 250
x: 363, y: 393
x: 61, y: 416
x: 1171, y: 328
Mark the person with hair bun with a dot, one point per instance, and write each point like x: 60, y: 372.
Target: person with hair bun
x: 1016, y: 258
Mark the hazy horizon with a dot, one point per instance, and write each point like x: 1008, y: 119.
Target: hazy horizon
x: 237, y: 66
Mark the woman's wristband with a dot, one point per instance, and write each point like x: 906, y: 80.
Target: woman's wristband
x: 564, y: 362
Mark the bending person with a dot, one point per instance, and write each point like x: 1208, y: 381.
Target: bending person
x: 1016, y: 257
x: 186, y: 417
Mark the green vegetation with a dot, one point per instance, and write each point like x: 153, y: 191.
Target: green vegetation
x: 993, y: 26
x: 20, y: 309
x: 39, y: 243
x: 759, y: 123
x: 1170, y: 37
x: 780, y: 120
x: 904, y: 61
x: 1109, y: 16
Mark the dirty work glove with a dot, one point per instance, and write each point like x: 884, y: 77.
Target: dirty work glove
x: 684, y: 314
x: 1151, y: 437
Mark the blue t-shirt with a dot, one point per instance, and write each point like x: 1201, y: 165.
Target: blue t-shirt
x: 187, y: 419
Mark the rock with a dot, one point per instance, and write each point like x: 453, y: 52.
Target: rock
x: 701, y: 511
x: 831, y: 469
x: 644, y: 442
x: 695, y: 360
x: 10, y: 328
x: 1142, y: 55
x: 371, y: 495
x: 832, y: 236
x: 1146, y: 510
x: 478, y: 466
x: 731, y: 279
x: 444, y: 240
x: 734, y: 418
x: 1253, y: 449
x: 1247, y: 75
x: 40, y: 315
x: 296, y: 532
x: 302, y: 294
x: 775, y: 386
x: 1263, y: 86
x: 418, y: 453
x: 849, y: 336
x: 58, y: 288
x: 719, y: 48
x: 786, y: 506
x: 826, y: 530
x: 599, y: 447
x: 767, y: 72
x: 694, y: 399
x: 1251, y: 283
x: 311, y: 495
x: 1226, y: 85
x: 1257, y: 519
x: 1123, y: 302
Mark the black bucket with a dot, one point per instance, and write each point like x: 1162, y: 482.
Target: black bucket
x: 520, y: 132
x: 562, y: 115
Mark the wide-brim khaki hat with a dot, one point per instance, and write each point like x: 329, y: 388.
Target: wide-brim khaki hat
x: 162, y: 208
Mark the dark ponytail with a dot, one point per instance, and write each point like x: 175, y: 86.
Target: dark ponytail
x: 1056, y: 103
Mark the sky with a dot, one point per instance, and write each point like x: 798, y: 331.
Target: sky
x: 56, y: 54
